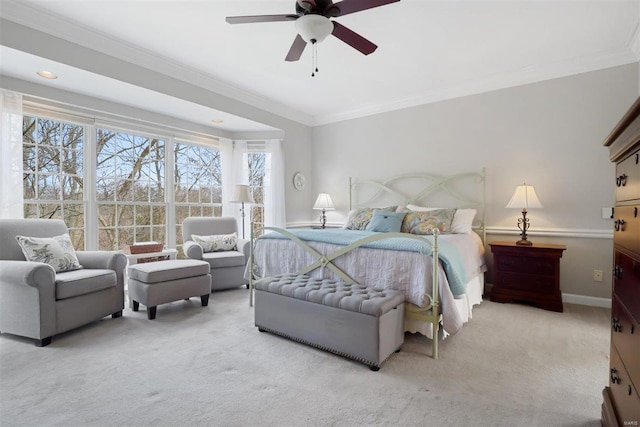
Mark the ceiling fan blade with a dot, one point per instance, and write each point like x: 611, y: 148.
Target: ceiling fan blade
x: 353, y: 39
x: 260, y: 18
x: 296, y: 49
x: 346, y: 7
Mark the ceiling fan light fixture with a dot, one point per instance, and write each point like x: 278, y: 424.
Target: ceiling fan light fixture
x: 313, y: 28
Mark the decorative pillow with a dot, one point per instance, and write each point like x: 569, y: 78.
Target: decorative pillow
x: 462, y: 222
x: 425, y: 222
x: 386, y: 222
x: 359, y: 218
x: 217, y: 242
x: 56, y: 251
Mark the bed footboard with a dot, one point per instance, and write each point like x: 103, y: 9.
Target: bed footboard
x: 430, y: 313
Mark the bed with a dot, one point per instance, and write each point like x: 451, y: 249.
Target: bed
x: 444, y: 293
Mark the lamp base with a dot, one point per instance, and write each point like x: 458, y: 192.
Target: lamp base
x: 523, y: 242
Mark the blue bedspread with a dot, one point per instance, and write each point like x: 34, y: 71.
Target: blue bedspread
x: 449, y: 256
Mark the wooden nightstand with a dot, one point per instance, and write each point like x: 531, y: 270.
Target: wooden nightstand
x: 527, y: 273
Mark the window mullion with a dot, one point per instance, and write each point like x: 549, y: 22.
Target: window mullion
x: 91, y: 206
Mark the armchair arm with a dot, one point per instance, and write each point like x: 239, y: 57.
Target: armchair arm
x: 26, y: 273
x: 192, y: 250
x: 108, y: 260
x: 111, y: 260
x: 27, y: 298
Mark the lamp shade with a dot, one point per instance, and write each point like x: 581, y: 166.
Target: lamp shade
x: 524, y: 197
x: 324, y: 202
x: 242, y: 194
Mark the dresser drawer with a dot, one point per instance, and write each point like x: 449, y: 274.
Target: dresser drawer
x: 625, y: 336
x: 628, y: 178
x: 623, y: 393
x: 626, y: 282
x: 626, y: 227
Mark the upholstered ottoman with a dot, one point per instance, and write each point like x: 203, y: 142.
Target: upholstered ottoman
x: 355, y: 321
x: 161, y: 282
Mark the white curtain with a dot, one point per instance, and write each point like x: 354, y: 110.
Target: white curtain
x: 274, y: 206
x: 235, y: 170
x: 11, y: 200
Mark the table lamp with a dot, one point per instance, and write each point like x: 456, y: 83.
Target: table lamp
x: 324, y: 203
x: 524, y: 198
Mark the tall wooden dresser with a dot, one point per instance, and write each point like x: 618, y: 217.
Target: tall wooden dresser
x: 621, y: 406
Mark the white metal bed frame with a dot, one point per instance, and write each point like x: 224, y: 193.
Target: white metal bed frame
x: 431, y: 312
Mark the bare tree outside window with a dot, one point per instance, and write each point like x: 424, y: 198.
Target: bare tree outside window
x: 198, y: 184
x: 52, y: 162
x: 130, y: 181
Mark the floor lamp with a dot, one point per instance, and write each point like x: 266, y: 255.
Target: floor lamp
x: 242, y: 194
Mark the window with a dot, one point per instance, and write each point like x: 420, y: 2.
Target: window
x: 130, y: 189
x: 52, y: 164
x: 198, y: 184
x: 117, y: 186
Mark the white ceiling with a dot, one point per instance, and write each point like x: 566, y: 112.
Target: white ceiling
x: 428, y: 51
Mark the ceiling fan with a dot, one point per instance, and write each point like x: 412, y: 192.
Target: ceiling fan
x: 312, y: 21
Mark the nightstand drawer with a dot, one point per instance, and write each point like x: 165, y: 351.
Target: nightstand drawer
x: 526, y: 265
x: 525, y: 282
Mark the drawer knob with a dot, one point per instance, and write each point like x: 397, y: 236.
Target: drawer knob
x: 615, y: 379
x: 618, y: 224
x: 621, y: 181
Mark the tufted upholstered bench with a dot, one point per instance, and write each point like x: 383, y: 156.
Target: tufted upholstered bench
x: 156, y: 283
x: 354, y: 321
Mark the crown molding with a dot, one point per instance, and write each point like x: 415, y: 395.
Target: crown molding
x: 36, y: 18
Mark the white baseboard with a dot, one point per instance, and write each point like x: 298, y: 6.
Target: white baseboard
x: 585, y: 300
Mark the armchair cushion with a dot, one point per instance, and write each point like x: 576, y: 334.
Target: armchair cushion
x: 224, y: 259
x: 217, y: 242
x: 57, y: 251
x: 81, y: 282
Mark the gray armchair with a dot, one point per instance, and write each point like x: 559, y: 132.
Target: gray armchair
x: 36, y: 302
x: 227, y: 267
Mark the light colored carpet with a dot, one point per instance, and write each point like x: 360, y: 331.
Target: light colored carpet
x: 209, y: 366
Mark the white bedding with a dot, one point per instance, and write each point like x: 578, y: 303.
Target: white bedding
x: 409, y: 272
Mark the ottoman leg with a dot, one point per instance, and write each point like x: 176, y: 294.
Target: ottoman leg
x: 205, y: 300
x: 136, y: 305
x: 151, y: 313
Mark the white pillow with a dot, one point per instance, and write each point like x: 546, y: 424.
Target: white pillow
x: 462, y: 222
x: 56, y: 251
x: 217, y: 242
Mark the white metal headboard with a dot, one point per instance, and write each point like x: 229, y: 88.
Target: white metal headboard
x: 463, y: 190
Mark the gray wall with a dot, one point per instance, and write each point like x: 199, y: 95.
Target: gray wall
x: 548, y: 134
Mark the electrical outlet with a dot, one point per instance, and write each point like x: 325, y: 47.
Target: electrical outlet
x: 597, y: 275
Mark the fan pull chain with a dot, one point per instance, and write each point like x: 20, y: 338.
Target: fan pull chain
x: 314, y: 60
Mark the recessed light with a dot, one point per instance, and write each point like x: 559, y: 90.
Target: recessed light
x: 47, y: 74
x: 217, y: 120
